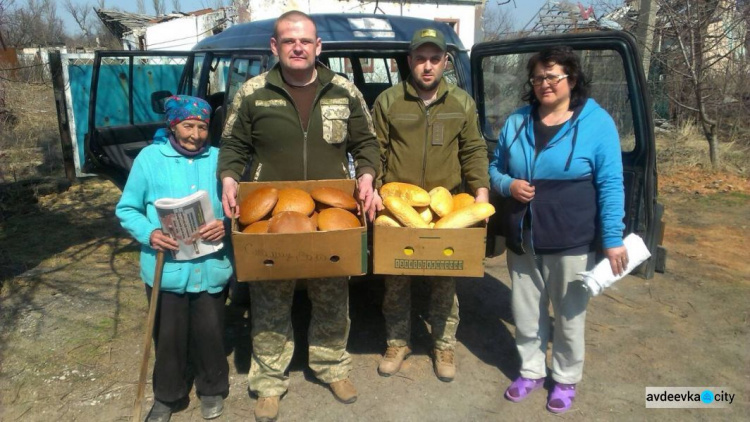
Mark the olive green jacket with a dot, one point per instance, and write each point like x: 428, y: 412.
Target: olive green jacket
x: 433, y: 145
x: 263, y: 125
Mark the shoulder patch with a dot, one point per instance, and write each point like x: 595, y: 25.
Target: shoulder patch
x: 270, y: 103
x: 248, y: 88
x: 334, y: 101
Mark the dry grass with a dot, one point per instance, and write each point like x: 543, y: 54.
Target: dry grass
x: 29, y: 135
x: 686, y: 147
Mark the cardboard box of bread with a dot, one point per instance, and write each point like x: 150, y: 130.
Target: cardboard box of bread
x: 429, y: 233
x: 300, y: 229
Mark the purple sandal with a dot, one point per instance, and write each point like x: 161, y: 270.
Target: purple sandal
x: 522, y: 387
x: 561, y: 398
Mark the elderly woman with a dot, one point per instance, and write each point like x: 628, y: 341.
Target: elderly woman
x: 192, y: 295
x: 558, y: 162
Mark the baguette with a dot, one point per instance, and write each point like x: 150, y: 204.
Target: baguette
x: 441, y: 201
x: 404, y: 212
x: 425, y: 213
x: 387, y: 220
x: 461, y: 200
x: 412, y: 194
x: 466, y: 216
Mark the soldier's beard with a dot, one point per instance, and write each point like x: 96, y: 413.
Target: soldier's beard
x: 427, y: 87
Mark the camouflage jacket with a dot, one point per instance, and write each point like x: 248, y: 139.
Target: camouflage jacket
x: 433, y: 145
x: 263, y: 125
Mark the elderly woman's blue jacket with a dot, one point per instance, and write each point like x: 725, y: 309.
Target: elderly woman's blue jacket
x: 160, y: 171
x: 579, y: 196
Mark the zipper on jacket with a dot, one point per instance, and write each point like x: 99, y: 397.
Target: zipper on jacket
x: 256, y: 176
x: 531, y: 177
x: 426, y: 143
x: 304, y: 132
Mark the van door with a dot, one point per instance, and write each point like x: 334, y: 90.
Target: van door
x: 122, y: 119
x: 610, y: 60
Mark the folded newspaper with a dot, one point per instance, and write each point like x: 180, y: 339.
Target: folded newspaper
x: 601, y: 277
x: 181, y: 218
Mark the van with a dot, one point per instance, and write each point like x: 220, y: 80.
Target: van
x: 127, y: 88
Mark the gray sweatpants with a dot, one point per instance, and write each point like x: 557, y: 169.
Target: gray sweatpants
x: 538, y: 280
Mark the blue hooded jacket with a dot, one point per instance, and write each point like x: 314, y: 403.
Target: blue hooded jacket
x: 579, y: 193
x: 160, y: 171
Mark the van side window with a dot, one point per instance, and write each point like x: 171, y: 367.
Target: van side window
x: 242, y: 69
x: 372, y: 75
x: 197, y: 65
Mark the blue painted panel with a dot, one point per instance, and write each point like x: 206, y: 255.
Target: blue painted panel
x: 79, y: 77
x: 112, y: 106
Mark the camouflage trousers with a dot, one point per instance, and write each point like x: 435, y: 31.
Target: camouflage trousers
x: 443, y: 311
x: 273, y: 338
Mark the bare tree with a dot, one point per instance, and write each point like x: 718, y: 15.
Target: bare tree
x: 140, y: 6
x: 497, y: 23
x: 176, y: 7
x: 700, y: 42
x: 80, y: 13
x: 36, y: 23
x: 159, y: 7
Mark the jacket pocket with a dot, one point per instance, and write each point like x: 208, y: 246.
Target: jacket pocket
x: 335, y: 122
x: 219, y: 272
x: 172, y: 279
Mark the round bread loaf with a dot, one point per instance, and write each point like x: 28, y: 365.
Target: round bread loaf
x: 293, y: 199
x: 404, y: 212
x: 412, y: 194
x: 290, y: 222
x: 258, y: 204
x: 337, y: 219
x: 257, y: 227
x: 441, y: 201
x: 334, y: 198
x: 314, y: 218
x: 462, y: 200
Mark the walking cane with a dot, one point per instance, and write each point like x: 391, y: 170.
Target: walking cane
x: 147, y: 336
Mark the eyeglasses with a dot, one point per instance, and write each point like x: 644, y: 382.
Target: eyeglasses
x: 551, y: 79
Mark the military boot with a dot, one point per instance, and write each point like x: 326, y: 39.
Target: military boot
x: 267, y: 409
x: 392, y: 359
x: 344, y: 391
x: 444, y: 363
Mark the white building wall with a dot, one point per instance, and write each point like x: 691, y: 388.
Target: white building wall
x: 183, y: 33
x: 464, y: 14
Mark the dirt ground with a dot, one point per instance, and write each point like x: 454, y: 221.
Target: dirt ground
x: 72, y: 314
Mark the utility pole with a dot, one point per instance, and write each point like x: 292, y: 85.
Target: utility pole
x: 645, y: 30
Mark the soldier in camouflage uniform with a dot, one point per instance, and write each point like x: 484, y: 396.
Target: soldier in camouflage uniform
x: 298, y: 121
x: 429, y: 136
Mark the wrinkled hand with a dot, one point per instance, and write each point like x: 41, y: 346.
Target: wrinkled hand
x: 482, y: 196
x: 212, y: 232
x: 161, y: 242
x: 377, y: 204
x: 365, y: 194
x: 229, y: 196
x: 618, y: 259
x: 522, y: 191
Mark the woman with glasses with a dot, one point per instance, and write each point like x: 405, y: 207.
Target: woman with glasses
x: 558, y: 165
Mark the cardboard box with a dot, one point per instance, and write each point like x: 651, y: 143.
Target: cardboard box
x: 277, y: 256
x: 441, y: 252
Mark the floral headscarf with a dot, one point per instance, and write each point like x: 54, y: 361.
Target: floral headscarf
x: 185, y: 107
